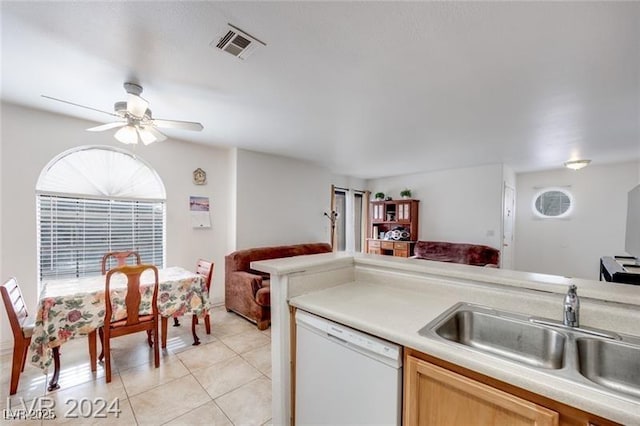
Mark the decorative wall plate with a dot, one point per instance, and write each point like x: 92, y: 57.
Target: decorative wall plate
x: 199, y: 176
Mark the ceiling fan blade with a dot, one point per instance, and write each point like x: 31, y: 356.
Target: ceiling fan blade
x: 78, y: 105
x: 148, y: 135
x: 107, y: 126
x: 136, y: 106
x: 175, y: 124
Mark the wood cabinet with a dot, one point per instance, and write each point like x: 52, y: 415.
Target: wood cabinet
x: 392, y: 215
x: 437, y: 392
x: 393, y: 248
x: 436, y: 396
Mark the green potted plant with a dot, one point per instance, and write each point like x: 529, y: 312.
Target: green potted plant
x: 379, y: 196
x: 405, y: 193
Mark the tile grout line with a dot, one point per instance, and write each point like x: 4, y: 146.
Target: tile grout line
x: 222, y: 409
x: 172, y: 355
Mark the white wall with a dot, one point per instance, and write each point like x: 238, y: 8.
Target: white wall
x: 2, y: 275
x: 572, y: 247
x: 233, y: 201
x: 509, y: 176
x: 458, y: 205
x: 349, y: 182
x: 280, y: 201
x: 30, y: 139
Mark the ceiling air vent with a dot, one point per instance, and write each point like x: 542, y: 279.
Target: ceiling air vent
x: 237, y: 42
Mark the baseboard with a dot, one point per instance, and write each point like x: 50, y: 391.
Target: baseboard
x: 216, y: 303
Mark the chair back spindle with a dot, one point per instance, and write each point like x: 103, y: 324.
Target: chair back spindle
x: 133, y: 297
x: 120, y: 257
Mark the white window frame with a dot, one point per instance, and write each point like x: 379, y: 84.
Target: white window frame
x: 99, y: 212
x: 564, y: 215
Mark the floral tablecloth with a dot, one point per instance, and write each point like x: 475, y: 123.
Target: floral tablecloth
x: 75, y: 306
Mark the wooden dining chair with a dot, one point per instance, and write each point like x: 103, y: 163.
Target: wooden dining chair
x: 205, y: 270
x: 133, y: 322
x: 21, y: 326
x: 120, y: 257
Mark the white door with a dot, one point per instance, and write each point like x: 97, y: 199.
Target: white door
x: 508, y: 219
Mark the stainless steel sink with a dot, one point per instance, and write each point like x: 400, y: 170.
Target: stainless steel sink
x: 611, y: 364
x: 598, y: 359
x: 505, y: 336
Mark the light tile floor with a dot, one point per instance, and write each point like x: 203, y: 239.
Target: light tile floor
x: 226, y: 380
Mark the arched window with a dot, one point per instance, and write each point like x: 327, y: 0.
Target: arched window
x: 92, y: 200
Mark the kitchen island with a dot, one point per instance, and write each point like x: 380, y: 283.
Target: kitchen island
x: 394, y: 298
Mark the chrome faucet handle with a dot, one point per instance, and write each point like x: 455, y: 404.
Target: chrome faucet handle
x: 571, y: 311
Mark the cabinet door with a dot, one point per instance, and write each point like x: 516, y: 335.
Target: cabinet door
x: 378, y: 212
x: 404, y: 212
x: 436, y: 396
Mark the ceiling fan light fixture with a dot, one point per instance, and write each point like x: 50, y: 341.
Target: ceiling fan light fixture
x: 577, y: 164
x: 146, y: 136
x: 127, y: 135
x: 136, y: 106
x: 134, y: 119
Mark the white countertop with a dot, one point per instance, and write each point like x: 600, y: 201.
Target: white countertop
x: 396, y: 313
x: 601, y: 290
x: 393, y: 298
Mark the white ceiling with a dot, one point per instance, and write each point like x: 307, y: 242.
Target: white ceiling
x: 367, y: 89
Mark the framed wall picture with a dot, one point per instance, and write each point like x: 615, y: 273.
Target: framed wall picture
x: 199, y: 208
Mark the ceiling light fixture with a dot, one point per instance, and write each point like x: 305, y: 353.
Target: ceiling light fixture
x: 127, y: 135
x: 146, y: 136
x: 577, y: 164
x: 133, y: 134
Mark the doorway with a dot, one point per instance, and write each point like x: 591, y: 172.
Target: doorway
x: 508, y: 219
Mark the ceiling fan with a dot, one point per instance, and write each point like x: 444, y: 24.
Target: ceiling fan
x: 134, y: 119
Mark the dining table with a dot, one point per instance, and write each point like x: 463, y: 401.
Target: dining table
x: 73, y: 307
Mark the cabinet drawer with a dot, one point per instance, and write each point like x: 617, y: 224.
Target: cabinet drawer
x: 387, y: 245
x: 400, y: 253
x: 374, y: 244
x: 401, y: 246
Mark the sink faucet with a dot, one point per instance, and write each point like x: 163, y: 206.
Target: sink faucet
x: 571, y: 317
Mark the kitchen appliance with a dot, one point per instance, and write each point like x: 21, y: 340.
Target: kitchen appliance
x: 344, y: 376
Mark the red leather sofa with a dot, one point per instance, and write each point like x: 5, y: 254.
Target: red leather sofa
x: 469, y: 254
x: 248, y: 292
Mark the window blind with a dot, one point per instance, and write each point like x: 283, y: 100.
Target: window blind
x: 74, y: 233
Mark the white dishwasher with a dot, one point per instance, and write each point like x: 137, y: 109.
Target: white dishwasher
x: 344, y: 376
